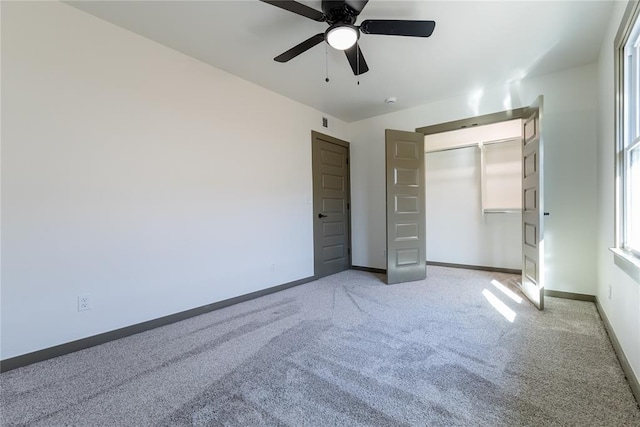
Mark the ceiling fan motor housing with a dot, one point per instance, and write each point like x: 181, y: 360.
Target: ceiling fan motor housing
x: 337, y: 12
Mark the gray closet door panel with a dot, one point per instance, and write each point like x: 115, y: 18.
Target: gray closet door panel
x: 406, y: 222
x: 533, y: 205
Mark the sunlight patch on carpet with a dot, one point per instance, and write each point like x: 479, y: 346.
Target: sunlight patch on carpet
x: 508, y: 292
x: 502, y: 308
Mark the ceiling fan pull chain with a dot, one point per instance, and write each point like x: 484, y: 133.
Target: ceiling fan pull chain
x: 326, y: 62
x: 358, y: 61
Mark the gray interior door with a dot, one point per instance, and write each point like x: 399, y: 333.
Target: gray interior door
x: 406, y: 222
x: 533, y: 205
x: 331, y: 221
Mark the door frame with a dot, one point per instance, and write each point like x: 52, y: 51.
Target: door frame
x: 315, y: 136
x: 486, y: 119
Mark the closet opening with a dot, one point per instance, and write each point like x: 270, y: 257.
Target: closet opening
x: 473, y: 187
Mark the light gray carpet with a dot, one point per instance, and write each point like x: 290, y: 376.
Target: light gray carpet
x: 345, y: 350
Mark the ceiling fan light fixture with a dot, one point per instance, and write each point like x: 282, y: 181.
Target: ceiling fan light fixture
x: 342, y: 36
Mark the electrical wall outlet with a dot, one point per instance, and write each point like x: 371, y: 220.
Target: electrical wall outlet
x: 272, y: 267
x: 84, y: 302
x: 610, y: 291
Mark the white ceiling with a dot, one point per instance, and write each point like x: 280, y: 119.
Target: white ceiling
x: 475, y: 44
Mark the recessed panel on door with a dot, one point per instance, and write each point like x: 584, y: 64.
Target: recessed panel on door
x: 530, y: 235
x: 333, y: 252
x: 407, y: 231
x: 406, y: 204
x: 530, y: 199
x: 531, y: 269
x: 530, y: 130
x: 406, y: 257
x: 333, y: 206
x: 530, y: 164
x: 332, y: 229
x: 332, y: 182
x: 406, y: 150
x: 332, y: 159
x: 408, y: 177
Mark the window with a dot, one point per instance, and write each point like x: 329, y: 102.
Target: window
x: 628, y: 132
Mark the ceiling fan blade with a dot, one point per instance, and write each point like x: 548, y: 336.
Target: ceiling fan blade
x: 356, y: 60
x: 356, y: 5
x: 297, y: 8
x: 300, y: 48
x: 392, y: 27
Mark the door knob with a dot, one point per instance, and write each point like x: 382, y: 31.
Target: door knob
x: 546, y: 214
x: 322, y: 216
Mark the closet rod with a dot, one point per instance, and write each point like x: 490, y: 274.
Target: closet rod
x: 501, y: 211
x: 474, y: 144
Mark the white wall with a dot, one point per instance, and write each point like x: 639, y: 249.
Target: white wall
x: 570, y: 180
x: 158, y: 183
x: 457, y: 231
x: 623, y: 308
x: 150, y: 180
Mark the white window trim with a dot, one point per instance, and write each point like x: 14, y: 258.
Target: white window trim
x: 625, y: 161
x: 629, y: 261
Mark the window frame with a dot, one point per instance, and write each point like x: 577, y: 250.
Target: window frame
x: 630, y: 143
x: 623, y: 111
x: 633, y: 147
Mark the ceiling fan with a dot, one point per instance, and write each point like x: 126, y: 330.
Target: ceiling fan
x: 343, y: 34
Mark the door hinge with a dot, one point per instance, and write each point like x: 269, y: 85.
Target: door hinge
x: 348, y: 204
x: 349, y: 251
x: 347, y: 160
